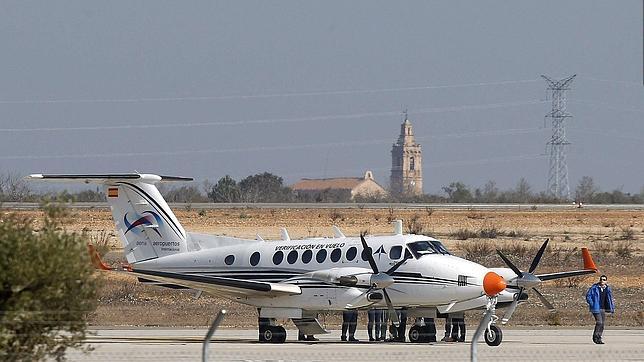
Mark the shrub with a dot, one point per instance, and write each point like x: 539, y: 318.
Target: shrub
x: 518, y: 249
x: 476, y: 250
x: 490, y: 232
x: 627, y: 233
x: 335, y: 215
x: 47, y: 288
x: 624, y: 249
x: 463, y: 234
x: 390, y: 215
x: 101, y: 241
x: 603, y: 248
x: 414, y: 225
x: 554, y: 318
x: 517, y: 234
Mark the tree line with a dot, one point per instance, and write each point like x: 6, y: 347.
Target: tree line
x: 267, y: 187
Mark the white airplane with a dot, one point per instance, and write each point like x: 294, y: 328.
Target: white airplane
x: 296, y: 279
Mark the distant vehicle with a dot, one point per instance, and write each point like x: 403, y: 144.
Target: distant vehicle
x: 296, y: 279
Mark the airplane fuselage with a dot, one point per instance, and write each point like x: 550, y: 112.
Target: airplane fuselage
x: 431, y: 279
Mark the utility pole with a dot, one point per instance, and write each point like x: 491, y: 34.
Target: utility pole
x: 558, y: 172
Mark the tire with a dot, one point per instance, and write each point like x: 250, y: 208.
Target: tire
x: 429, y: 335
x: 280, y: 334
x: 266, y: 334
x: 496, y: 336
x: 416, y: 334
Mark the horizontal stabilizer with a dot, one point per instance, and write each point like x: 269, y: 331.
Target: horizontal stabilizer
x: 107, y: 178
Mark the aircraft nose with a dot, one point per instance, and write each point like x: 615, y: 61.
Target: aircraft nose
x: 493, y: 284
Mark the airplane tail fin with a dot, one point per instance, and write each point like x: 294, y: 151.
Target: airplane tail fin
x: 146, y: 226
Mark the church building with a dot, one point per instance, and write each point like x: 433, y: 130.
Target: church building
x: 406, y: 163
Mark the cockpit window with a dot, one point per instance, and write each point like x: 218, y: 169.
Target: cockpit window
x: 424, y: 247
x: 440, y: 247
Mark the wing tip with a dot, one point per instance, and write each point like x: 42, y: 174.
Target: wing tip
x: 588, y: 260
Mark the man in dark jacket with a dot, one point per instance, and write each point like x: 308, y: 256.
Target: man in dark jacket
x: 600, y: 300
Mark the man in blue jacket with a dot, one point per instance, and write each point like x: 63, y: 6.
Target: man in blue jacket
x: 600, y: 300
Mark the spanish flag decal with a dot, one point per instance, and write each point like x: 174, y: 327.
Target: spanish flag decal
x: 113, y: 192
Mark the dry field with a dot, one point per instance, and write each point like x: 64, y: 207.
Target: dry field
x: 615, y: 238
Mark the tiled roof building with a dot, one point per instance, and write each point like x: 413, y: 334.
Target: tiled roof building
x: 352, y: 186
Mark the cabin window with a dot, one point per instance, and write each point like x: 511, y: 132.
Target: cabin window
x: 254, y: 259
x: 351, y: 253
x: 395, y: 252
x: 321, y: 256
x: 307, y: 255
x: 292, y: 257
x: 230, y: 259
x: 278, y: 257
x: 364, y: 255
x: 336, y: 254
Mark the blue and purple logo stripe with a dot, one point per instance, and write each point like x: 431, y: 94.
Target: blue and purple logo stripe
x: 147, y: 219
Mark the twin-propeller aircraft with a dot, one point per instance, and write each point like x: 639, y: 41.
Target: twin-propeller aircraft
x: 296, y: 279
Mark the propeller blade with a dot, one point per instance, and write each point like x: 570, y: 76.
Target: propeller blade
x: 537, y: 257
x: 509, y: 263
x: 543, y: 300
x: 393, y: 316
x: 512, y: 307
x: 369, y: 253
x: 398, y: 264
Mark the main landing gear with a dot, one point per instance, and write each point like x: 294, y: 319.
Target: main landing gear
x: 269, y: 332
x: 422, y: 332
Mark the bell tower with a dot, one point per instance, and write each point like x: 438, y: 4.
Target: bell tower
x: 406, y: 163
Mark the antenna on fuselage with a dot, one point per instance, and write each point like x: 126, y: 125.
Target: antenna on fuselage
x: 284, y: 233
x: 337, y: 232
x: 397, y: 227
x: 258, y: 237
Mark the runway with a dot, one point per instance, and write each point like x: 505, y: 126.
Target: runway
x: 152, y: 344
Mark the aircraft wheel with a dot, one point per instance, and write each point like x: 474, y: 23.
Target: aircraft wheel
x: 266, y: 334
x: 416, y: 334
x: 280, y: 334
x: 430, y: 335
x: 493, y: 336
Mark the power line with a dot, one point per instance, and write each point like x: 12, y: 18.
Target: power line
x: 621, y: 82
x: 266, y: 95
x: 259, y: 148
x: 275, y: 120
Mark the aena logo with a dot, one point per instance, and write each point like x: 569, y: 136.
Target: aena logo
x: 149, y: 218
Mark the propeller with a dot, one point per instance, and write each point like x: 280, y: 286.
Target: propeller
x: 380, y: 280
x: 526, y: 280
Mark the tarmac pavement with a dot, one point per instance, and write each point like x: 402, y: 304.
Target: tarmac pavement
x: 158, y: 344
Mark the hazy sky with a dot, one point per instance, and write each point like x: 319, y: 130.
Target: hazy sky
x: 316, y: 88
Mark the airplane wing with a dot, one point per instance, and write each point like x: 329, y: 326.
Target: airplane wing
x: 567, y: 274
x: 219, y: 286
x: 589, y: 268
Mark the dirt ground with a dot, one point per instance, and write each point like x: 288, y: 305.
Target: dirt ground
x: 615, y: 238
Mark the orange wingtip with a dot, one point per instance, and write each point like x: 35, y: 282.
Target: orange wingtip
x: 96, y: 259
x: 588, y: 260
